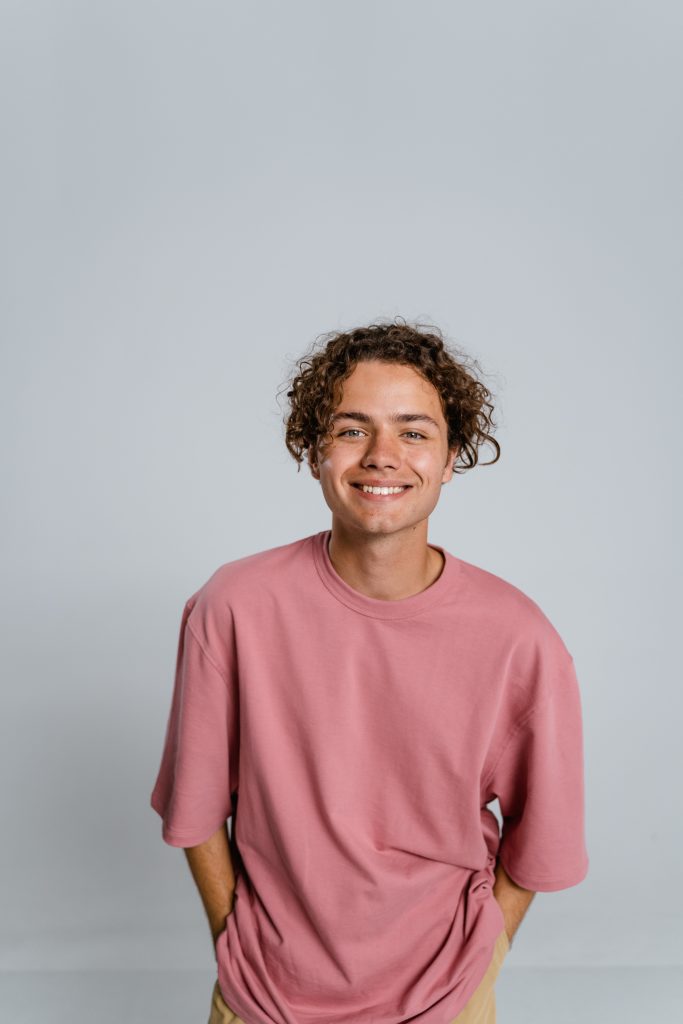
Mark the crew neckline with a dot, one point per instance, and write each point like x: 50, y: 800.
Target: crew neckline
x: 376, y: 607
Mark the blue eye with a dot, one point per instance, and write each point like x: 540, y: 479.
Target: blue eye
x: 357, y: 430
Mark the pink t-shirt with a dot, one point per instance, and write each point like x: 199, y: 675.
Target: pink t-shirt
x: 362, y: 740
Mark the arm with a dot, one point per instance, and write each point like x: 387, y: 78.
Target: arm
x: 513, y: 899
x: 212, y: 870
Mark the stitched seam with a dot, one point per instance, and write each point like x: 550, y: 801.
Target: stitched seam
x: 520, y: 725
x: 543, y: 879
x: 511, y: 735
x: 187, y: 833
x: 206, y: 653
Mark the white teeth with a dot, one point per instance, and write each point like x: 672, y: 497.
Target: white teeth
x: 382, y: 490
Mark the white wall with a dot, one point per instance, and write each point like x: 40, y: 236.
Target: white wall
x: 191, y: 193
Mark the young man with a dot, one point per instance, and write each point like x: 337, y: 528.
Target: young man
x: 364, y: 695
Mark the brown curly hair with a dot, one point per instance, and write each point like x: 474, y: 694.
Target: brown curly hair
x: 315, y: 391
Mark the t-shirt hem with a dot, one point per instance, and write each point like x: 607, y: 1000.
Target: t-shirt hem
x: 243, y: 1012
x: 547, y: 884
x: 467, y: 990
x: 181, y: 838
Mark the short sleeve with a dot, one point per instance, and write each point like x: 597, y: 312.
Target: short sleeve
x: 539, y: 781
x: 198, y: 771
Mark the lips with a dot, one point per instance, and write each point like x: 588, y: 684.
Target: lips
x: 372, y: 497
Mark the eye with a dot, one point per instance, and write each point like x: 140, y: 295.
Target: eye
x: 356, y: 430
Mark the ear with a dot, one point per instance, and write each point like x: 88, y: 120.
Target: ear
x: 448, y: 468
x: 311, y: 457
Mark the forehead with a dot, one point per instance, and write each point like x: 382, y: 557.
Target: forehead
x: 383, y: 384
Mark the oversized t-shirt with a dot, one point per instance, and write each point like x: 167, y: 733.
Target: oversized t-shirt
x: 356, y: 743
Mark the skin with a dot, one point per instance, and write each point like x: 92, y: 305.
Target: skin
x: 211, y: 867
x: 378, y: 548
x: 513, y: 899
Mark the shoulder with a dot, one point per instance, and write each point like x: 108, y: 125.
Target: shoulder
x: 507, y: 603
x: 240, y: 584
x: 535, y: 653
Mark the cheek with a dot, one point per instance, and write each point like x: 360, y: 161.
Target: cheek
x: 429, y: 467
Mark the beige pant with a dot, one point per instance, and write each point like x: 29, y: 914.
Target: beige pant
x: 480, y: 1008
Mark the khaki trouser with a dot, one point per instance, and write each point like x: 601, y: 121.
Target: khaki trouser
x: 480, y: 1008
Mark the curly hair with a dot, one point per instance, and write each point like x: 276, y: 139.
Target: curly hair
x: 315, y: 391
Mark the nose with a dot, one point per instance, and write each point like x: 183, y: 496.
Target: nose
x: 381, y: 450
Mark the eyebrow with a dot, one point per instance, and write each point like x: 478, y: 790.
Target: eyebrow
x: 398, y: 417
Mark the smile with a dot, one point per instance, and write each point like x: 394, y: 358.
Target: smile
x: 380, y: 493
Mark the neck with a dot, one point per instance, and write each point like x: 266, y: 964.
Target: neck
x: 387, y: 567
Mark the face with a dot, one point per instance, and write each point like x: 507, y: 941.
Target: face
x: 369, y: 445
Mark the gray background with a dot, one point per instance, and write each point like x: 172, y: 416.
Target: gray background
x: 191, y: 193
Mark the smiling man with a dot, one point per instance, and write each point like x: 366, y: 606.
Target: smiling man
x: 354, y: 700
x: 381, y: 476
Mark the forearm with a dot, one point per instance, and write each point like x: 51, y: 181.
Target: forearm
x: 513, y: 899
x: 213, y: 873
